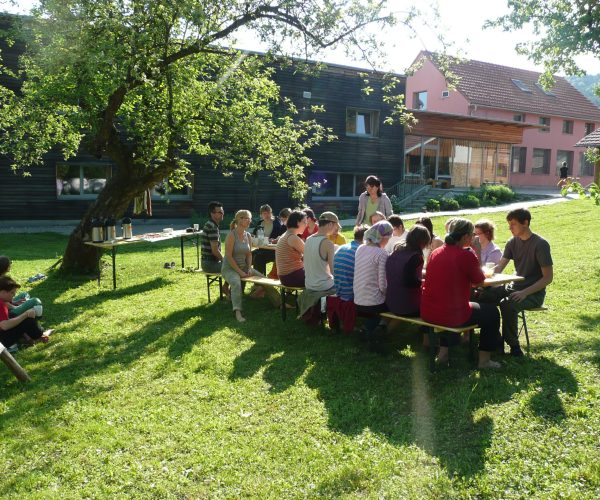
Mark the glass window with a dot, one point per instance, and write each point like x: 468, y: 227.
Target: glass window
x: 519, y: 154
x: 564, y: 156
x: 519, y: 117
x: 347, y: 185
x: 522, y: 86
x: 323, y: 183
x: 81, y: 181
x: 362, y: 122
x: 586, y: 167
x: 567, y: 127
x: 420, y: 100
x: 545, y: 121
x: 541, y: 161
x: 164, y: 190
x: 589, y: 128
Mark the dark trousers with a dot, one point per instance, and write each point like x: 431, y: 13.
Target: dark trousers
x: 260, y: 258
x: 294, y: 279
x: 510, y: 309
x: 29, y: 326
x: 488, y: 319
x: 372, y: 315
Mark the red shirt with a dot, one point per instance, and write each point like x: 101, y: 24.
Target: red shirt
x: 451, y: 271
x: 307, y: 233
x: 3, y: 311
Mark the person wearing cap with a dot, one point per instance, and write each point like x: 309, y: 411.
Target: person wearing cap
x: 318, y: 268
x: 445, y: 300
x: 21, y: 328
x: 370, y: 283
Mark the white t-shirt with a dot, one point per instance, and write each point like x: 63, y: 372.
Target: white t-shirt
x: 394, y: 240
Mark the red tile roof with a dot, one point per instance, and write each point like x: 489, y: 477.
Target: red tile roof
x: 491, y: 85
x: 590, y: 140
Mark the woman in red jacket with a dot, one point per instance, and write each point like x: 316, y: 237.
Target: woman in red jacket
x: 451, y: 272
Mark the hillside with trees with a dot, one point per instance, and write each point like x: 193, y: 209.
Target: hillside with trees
x: 586, y: 85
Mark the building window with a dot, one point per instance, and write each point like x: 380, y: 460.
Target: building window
x: 165, y: 191
x: 541, y: 162
x: 567, y: 127
x: 445, y: 94
x: 589, y: 128
x: 81, y: 181
x: 519, y: 117
x: 518, y: 160
x: 547, y: 92
x: 420, y: 100
x: 335, y: 185
x: 363, y: 122
x: 564, y: 156
x: 521, y: 86
x: 586, y: 167
x: 545, y: 121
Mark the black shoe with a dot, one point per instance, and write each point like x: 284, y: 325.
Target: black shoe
x: 515, y: 350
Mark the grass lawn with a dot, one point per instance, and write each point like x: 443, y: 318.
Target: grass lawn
x: 149, y: 391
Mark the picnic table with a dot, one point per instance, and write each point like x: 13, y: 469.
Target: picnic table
x: 182, y: 234
x: 502, y: 279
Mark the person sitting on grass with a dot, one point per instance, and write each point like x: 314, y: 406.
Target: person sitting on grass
x: 404, y: 273
x: 21, y: 302
x: 340, y: 308
x: 370, y: 283
x: 451, y: 272
x: 23, y: 328
x: 399, y: 234
x: 290, y: 251
x: 237, y: 263
x: 318, y: 269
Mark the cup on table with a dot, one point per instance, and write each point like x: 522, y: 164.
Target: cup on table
x: 196, y: 227
x: 488, y: 269
x: 38, y: 310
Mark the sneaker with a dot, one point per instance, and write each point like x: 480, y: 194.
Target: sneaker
x: 515, y: 350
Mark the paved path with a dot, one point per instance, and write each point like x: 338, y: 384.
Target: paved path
x: 157, y: 225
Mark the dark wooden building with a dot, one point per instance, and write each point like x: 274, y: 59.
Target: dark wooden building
x: 63, y: 189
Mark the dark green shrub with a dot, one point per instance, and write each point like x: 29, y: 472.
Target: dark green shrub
x: 432, y: 205
x: 501, y: 193
x: 449, y: 204
x: 467, y: 200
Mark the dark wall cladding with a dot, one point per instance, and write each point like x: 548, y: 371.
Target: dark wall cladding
x: 336, y: 88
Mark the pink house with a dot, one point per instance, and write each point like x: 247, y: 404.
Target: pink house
x: 560, y: 117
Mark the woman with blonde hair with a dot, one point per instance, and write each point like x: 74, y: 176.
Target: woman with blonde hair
x: 237, y: 263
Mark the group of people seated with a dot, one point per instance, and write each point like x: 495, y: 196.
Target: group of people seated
x: 386, y: 268
x: 18, y: 313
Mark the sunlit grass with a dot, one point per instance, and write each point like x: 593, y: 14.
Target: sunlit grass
x: 151, y: 391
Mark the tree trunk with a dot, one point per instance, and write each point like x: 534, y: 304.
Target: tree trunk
x: 113, y: 201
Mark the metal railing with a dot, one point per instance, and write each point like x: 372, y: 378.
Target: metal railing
x: 407, y: 189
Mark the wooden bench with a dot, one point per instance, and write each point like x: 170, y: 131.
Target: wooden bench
x: 285, y: 291
x: 433, y: 331
x: 13, y: 365
x: 524, y: 321
x: 210, y: 279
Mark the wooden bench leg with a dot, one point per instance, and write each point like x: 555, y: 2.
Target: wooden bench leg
x: 13, y: 365
x: 433, y: 338
x: 524, y: 328
x: 208, y: 287
x: 283, y: 307
x: 220, y: 288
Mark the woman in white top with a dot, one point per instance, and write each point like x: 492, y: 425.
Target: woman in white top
x: 370, y: 283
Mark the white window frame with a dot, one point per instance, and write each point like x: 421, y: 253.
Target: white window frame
x: 155, y: 196
x: 81, y: 165
x: 355, y: 179
x: 374, y: 116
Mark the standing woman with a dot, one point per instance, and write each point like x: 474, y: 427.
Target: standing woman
x: 451, y: 273
x: 372, y: 200
x: 237, y: 263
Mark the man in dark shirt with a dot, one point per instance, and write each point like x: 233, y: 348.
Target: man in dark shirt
x: 564, y: 170
x: 210, y: 239
x: 531, y: 255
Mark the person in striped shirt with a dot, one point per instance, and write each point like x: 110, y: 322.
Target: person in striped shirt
x: 343, y: 265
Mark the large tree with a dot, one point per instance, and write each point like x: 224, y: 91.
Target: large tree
x: 148, y: 82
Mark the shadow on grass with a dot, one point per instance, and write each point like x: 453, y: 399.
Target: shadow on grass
x: 396, y: 397
x: 61, y: 376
